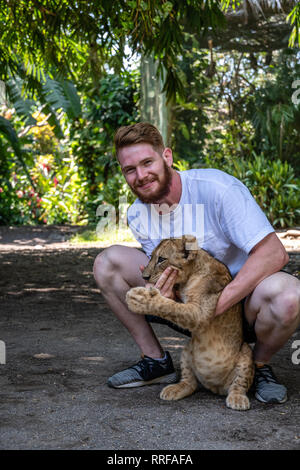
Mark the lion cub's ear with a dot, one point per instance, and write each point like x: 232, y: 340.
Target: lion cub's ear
x: 189, y: 239
x: 190, y: 247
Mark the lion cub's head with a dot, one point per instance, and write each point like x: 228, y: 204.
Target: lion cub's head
x: 179, y: 253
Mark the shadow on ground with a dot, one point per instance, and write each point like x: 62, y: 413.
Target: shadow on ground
x: 62, y: 343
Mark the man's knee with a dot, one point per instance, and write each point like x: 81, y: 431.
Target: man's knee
x: 105, y: 263
x: 276, y: 299
x: 286, y: 307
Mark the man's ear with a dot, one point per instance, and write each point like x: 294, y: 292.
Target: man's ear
x: 168, y: 156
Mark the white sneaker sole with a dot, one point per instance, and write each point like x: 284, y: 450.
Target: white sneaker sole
x: 165, y: 379
x: 259, y: 398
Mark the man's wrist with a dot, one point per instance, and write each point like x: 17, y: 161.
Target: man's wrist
x: 226, y: 300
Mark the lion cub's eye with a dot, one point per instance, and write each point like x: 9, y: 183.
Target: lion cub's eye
x: 161, y: 260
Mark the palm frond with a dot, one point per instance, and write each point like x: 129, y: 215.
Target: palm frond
x: 8, y: 131
x: 62, y: 94
x: 22, y: 105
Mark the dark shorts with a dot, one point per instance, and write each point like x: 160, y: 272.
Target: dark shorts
x: 248, y: 330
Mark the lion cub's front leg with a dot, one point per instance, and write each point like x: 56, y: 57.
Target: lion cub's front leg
x: 150, y: 301
x: 242, y: 380
x: 143, y: 301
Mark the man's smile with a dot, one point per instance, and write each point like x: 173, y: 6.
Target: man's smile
x: 146, y: 185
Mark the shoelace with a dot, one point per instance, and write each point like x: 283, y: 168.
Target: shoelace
x: 146, y: 364
x: 265, y: 373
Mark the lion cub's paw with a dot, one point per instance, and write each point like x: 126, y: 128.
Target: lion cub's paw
x: 237, y: 401
x: 138, y: 299
x: 153, y: 291
x: 177, y: 391
x: 171, y: 392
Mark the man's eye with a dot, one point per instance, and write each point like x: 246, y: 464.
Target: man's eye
x: 161, y: 260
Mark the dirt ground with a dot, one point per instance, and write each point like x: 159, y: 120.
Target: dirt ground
x: 62, y: 343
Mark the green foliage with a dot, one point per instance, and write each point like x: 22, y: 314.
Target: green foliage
x: 64, y: 71
x: 56, y: 95
x: 276, y: 118
x: 61, y: 94
x: 114, y: 190
x: 21, y: 144
x: 189, y: 118
x: 10, y: 135
x: 62, y: 193
x: 181, y: 165
x: 231, y: 142
x: 56, y: 181
x: 8, y: 197
x: 272, y: 183
x: 81, y: 38
x: 276, y: 190
x: 14, y: 160
x: 44, y: 189
x: 294, y: 19
x: 105, y: 108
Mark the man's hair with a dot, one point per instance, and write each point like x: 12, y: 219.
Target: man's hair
x: 142, y: 132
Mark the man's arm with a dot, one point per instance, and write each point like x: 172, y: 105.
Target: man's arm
x: 266, y: 258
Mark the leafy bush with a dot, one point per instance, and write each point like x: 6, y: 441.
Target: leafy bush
x: 276, y: 190
x: 42, y: 185
x: 114, y: 192
x: 62, y: 192
x: 272, y: 183
x: 274, y: 114
x: 234, y: 140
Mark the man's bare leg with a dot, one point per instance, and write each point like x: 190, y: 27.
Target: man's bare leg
x: 116, y: 270
x: 274, y: 308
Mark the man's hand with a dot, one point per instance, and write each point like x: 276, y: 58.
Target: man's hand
x: 165, y: 284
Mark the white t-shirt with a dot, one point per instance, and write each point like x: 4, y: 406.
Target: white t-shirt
x: 215, y: 207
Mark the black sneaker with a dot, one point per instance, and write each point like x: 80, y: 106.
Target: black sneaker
x: 267, y: 387
x: 147, y: 371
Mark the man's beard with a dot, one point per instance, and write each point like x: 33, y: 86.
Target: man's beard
x: 162, y: 191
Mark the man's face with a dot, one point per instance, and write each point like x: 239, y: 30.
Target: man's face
x: 147, y: 173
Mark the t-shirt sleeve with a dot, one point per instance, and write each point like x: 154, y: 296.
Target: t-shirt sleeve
x: 242, y: 220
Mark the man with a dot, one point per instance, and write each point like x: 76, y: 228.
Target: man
x: 228, y: 223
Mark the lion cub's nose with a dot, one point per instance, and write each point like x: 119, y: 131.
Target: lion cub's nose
x: 146, y: 277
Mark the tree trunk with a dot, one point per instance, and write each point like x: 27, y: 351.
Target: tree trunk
x: 153, y: 106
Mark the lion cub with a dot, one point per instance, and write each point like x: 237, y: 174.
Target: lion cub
x: 216, y: 355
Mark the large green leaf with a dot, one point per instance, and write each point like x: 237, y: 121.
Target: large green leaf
x: 62, y: 94
x: 55, y: 94
x: 74, y: 106
x: 22, y: 105
x: 8, y: 131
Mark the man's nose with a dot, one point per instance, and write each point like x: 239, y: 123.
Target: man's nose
x: 141, y: 173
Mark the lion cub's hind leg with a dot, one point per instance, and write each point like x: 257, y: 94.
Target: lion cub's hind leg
x: 244, y: 372
x: 188, y: 382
